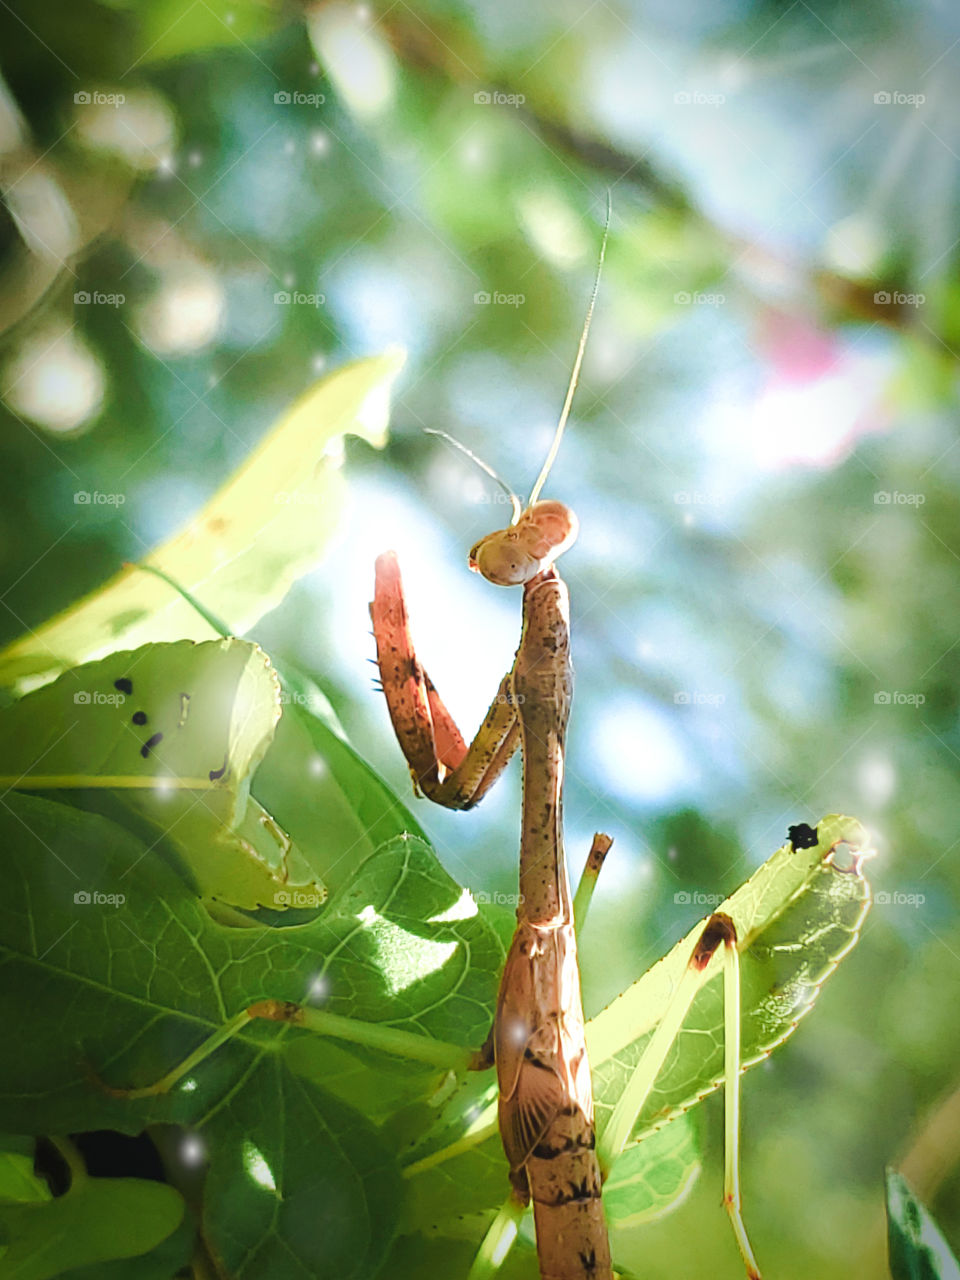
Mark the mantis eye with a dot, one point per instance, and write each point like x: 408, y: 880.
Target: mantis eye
x: 501, y: 559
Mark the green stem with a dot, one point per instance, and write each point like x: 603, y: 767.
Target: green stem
x: 72, y: 1159
x: 484, y: 1127
x: 210, y: 618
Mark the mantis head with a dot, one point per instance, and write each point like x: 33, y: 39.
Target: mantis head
x: 515, y: 555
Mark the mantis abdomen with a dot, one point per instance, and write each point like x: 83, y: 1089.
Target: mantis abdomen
x: 546, y: 1102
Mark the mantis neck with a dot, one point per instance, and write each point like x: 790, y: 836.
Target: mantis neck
x: 542, y: 688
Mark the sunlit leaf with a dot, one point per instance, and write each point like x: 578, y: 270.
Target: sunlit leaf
x: 650, y: 1178
x: 796, y: 918
x: 174, y: 733
x: 262, y: 529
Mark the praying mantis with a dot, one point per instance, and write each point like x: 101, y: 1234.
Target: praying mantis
x: 537, y: 1042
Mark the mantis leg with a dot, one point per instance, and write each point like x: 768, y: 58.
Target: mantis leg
x: 498, y: 1241
x: 372, y: 1035
x: 443, y: 767
x: 588, y: 879
x: 719, y: 929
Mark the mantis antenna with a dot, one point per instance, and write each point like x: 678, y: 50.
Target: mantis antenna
x: 564, y: 413
x: 484, y: 466
x: 575, y: 376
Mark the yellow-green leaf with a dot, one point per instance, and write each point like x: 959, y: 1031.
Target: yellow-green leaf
x: 240, y: 554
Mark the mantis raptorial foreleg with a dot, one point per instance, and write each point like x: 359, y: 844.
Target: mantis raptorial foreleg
x: 441, y: 764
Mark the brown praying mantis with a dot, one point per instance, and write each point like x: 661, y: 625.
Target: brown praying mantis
x: 538, y: 1042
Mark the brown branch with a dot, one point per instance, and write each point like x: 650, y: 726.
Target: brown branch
x: 448, y: 51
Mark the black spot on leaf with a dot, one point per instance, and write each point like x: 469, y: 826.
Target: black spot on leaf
x: 802, y: 836
x: 139, y: 717
x: 124, y: 685
x: 150, y: 744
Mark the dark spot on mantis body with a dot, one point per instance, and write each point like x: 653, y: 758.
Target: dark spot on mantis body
x: 543, y: 1150
x: 216, y: 774
x: 579, y: 1191
x: 802, y: 836
x: 150, y: 744
x: 139, y: 717
x: 530, y: 1056
x: 124, y: 685
x: 578, y: 1142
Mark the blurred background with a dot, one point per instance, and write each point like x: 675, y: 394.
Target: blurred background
x: 206, y: 205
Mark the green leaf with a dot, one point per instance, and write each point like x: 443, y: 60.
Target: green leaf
x: 261, y: 531
x: 917, y: 1249
x: 140, y: 985
x: 441, y: 1194
x: 173, y: 733
x: 325, y: 794
x: 18, y: 1183
x: 97, y: 1220
x: 650, y: 1179
x: 796, y: 917
x: 164, y: 1262
x: 299, y: 1184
